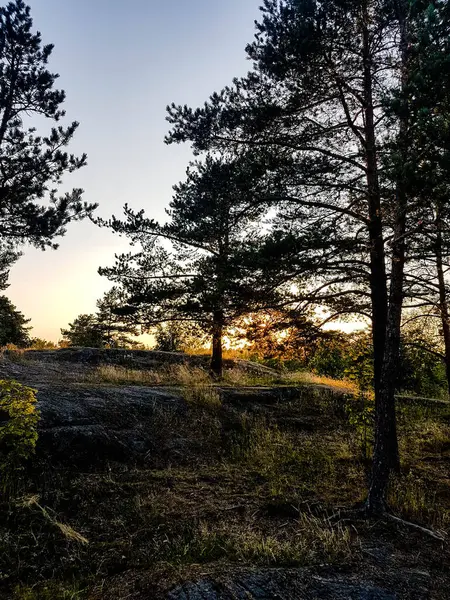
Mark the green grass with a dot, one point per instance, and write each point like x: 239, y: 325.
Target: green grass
x: 307, y: 540
x: 50, y: 590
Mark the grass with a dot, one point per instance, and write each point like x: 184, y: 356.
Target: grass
x: 202, y: 395
x: 68, y: 532
x: 184, y: 375
x: 51, y: 590
x: 169, y: 375
x: 288, y: 462
x: 224, y: 487
x: 308, y: 539
x: 306, y: 378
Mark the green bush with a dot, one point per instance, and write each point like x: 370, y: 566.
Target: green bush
x: 18, y: 429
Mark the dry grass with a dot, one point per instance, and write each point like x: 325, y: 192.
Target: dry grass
x: 169, y: 375
x: 418, y: 500
x: 202, y: 395
x: 288, y: 461
x: 307, y: 539
x: 241, y: 486
x: 68, y: 532
x: 306, y: 378
x: 184, y: 375
x: 49, y: 591
x: 13, y: 353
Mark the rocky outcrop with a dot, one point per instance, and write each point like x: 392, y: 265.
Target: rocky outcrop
x: 92, y: 425
x: 136, y: 358
x: 289, y: 585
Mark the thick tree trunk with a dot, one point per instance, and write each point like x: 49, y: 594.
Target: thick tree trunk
x: 443, y: 304
x: 217, y: 347
x: 378, y: 280
x: 386, y: 455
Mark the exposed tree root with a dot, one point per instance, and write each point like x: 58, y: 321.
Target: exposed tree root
x: 363, y: 514
x: 435, y: 535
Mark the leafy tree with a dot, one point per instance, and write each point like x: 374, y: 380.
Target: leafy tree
x: 422, y: 367
x: 331, y: 100
x: 287, y: 335
x: 331, y: 357
x: 13, y: 325
x: 32, y: 165
x: 18, y: 430
x: 204, y: 273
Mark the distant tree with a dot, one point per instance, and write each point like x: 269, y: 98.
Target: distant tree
x: 280, y: 335
x: 204, y: 273
x: 116, y: 332
x: 41, y: 344
x: 423, y: 357
x: 104, y: 329
x: 330, y: 356
x: 84, y: 332
x: 14, y: 327
x: 32, y: 165
x: 176, y: 336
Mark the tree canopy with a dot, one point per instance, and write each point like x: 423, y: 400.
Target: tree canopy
x: 199, y: 266
x: 335, y: 99
x: 32, y: 164
x: 14, y: 328
x: 104, y: 329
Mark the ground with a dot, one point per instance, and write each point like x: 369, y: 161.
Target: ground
x: 154, y: 482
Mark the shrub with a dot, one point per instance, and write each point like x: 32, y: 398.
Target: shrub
x: 18, y: 429
x: 202, y: 395
x: 41, y: 344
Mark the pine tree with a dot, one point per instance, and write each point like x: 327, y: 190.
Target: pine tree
x: 32, y: 165
x: 84, y: 332
x: 115, y: 332
x: 331, y: 98
x: 429, y: 260
x: 105, y: 328
x: 14, y: 327
x: 203, y: 272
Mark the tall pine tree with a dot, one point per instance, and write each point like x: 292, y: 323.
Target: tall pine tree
x: 331, y: 98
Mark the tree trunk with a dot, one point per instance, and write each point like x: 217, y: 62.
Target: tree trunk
x: 386, y: 455
x: 217, y: 349
x: 443, y: 304
x: 378, y: 281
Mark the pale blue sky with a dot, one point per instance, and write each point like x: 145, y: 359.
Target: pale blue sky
x: 121, y: 63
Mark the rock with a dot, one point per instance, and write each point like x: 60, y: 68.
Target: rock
x: 280, y: 584
x: 136, y: 358
x: 92, y: 425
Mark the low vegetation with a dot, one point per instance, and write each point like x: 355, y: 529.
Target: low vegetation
x: 18, y: 431
x: 184, y: 375
x: 258, y: 484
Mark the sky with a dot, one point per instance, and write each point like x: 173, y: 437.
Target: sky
x: 120, y: 64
